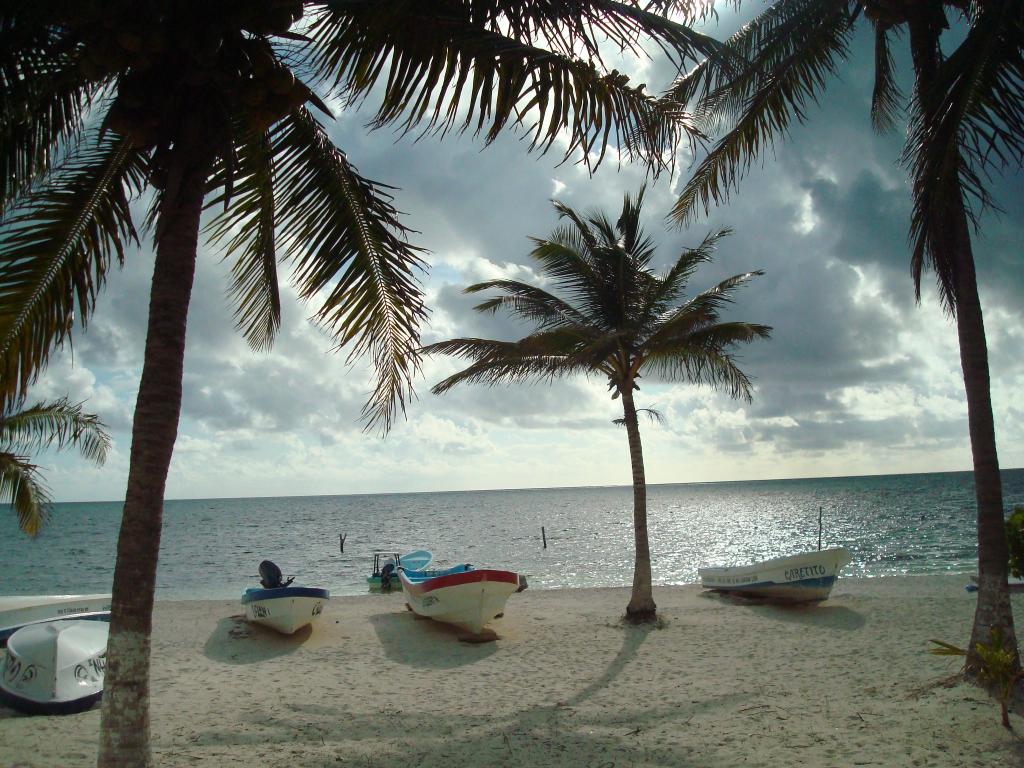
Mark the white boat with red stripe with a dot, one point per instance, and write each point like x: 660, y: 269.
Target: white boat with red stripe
x: 464, y: 596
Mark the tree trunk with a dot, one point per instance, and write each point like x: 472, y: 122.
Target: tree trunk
x: 641, y: 606
x: 953, y: 243
x: 993, y: 611
x: 124, y: 728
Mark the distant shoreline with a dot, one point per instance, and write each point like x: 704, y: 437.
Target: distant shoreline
x: 558, y: 487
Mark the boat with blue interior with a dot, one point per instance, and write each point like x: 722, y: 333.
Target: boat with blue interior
x: 464, y: 596
x: 386, y: 563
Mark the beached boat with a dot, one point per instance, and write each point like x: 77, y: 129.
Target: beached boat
x: 22, y: 610
x: 282, y: 607
x: 385, y: 563
x: 799, y: 578
x: 56, y: 667
x: 463, y: 596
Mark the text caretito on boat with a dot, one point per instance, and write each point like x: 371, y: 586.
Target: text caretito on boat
x: 806, y: 577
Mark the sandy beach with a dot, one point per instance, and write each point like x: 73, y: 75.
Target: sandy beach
x: 719, y: 683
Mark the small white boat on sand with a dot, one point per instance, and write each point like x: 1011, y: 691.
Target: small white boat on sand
x: 21, y: 610
x: 56, y: 667
x: 806, y: 577
x: 282, y: 607
x: 463, y: 596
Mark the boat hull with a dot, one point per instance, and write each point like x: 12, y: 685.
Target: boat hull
x: 807, y: 577
x: 56, y: 667
x: 20, y: 611
x: 286, y: 609
x: 466, y: 599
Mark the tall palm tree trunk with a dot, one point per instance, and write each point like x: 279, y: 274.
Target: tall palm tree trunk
x: 993, y: 610
x: 124, y: 731
x: 641, y: 606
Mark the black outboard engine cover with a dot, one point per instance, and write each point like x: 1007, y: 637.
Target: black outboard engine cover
x: 385, y: 576
x: 270, y: 576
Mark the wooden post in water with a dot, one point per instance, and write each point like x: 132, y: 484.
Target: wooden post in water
x: 343, y: 536
x: 544, y: 537
x: 819, y: 529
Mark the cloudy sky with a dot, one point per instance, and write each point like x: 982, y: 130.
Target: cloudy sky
x: 857, y: 378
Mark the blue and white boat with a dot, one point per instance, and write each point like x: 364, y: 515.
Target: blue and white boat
x: 807, y: 577
x: 386, y: 563
x: 21, y: 610
x: 280, y: 606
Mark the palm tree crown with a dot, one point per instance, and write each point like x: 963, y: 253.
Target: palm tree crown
x: 101, y: 98
x: 615, y: 318
x: 59, y: 425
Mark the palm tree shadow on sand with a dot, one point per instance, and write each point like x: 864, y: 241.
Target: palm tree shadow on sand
x: 236, y: 641
x: 812, y: 614
x: 425, y: 643
x: 633, y: 638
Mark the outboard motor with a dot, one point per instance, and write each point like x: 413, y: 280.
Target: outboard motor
x: 270, y: 576
x: 385, y: 576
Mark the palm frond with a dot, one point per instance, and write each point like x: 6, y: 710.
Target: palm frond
x: 886, y: 97
x: 656, y: 417
x: 528, y: 302
x: 540, y: 356
x: 342, y: 235
x: 968, y: 124
x: 460, y: 66
x: 668, y: 290
x: 702, y: 311
x: 773, y: 91
x: 700, y: 365
x: 59, y: 424
x: 722, y: 83
x: 55, y: 251
x: 249, y: 220
x: 43, y: 99
x: 23, y: 489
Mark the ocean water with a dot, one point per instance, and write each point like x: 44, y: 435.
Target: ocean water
x: 211, y: 548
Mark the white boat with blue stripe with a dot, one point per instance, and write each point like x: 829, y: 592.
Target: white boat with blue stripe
x: 282, y: 607
x: 807, y: 577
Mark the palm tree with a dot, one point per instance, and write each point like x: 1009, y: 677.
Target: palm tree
x: 204, y: 105
x: 59, y: 425
x: 967, y: 120
x: 616, y: 318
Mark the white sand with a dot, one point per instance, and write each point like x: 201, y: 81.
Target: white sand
x: 846, y: 683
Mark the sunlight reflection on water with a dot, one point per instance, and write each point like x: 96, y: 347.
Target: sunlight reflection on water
x: 893, y: 524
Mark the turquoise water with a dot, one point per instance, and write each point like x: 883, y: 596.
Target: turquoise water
x: 894, y: 524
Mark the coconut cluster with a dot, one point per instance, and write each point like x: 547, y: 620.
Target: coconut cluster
x: 176, y: 61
